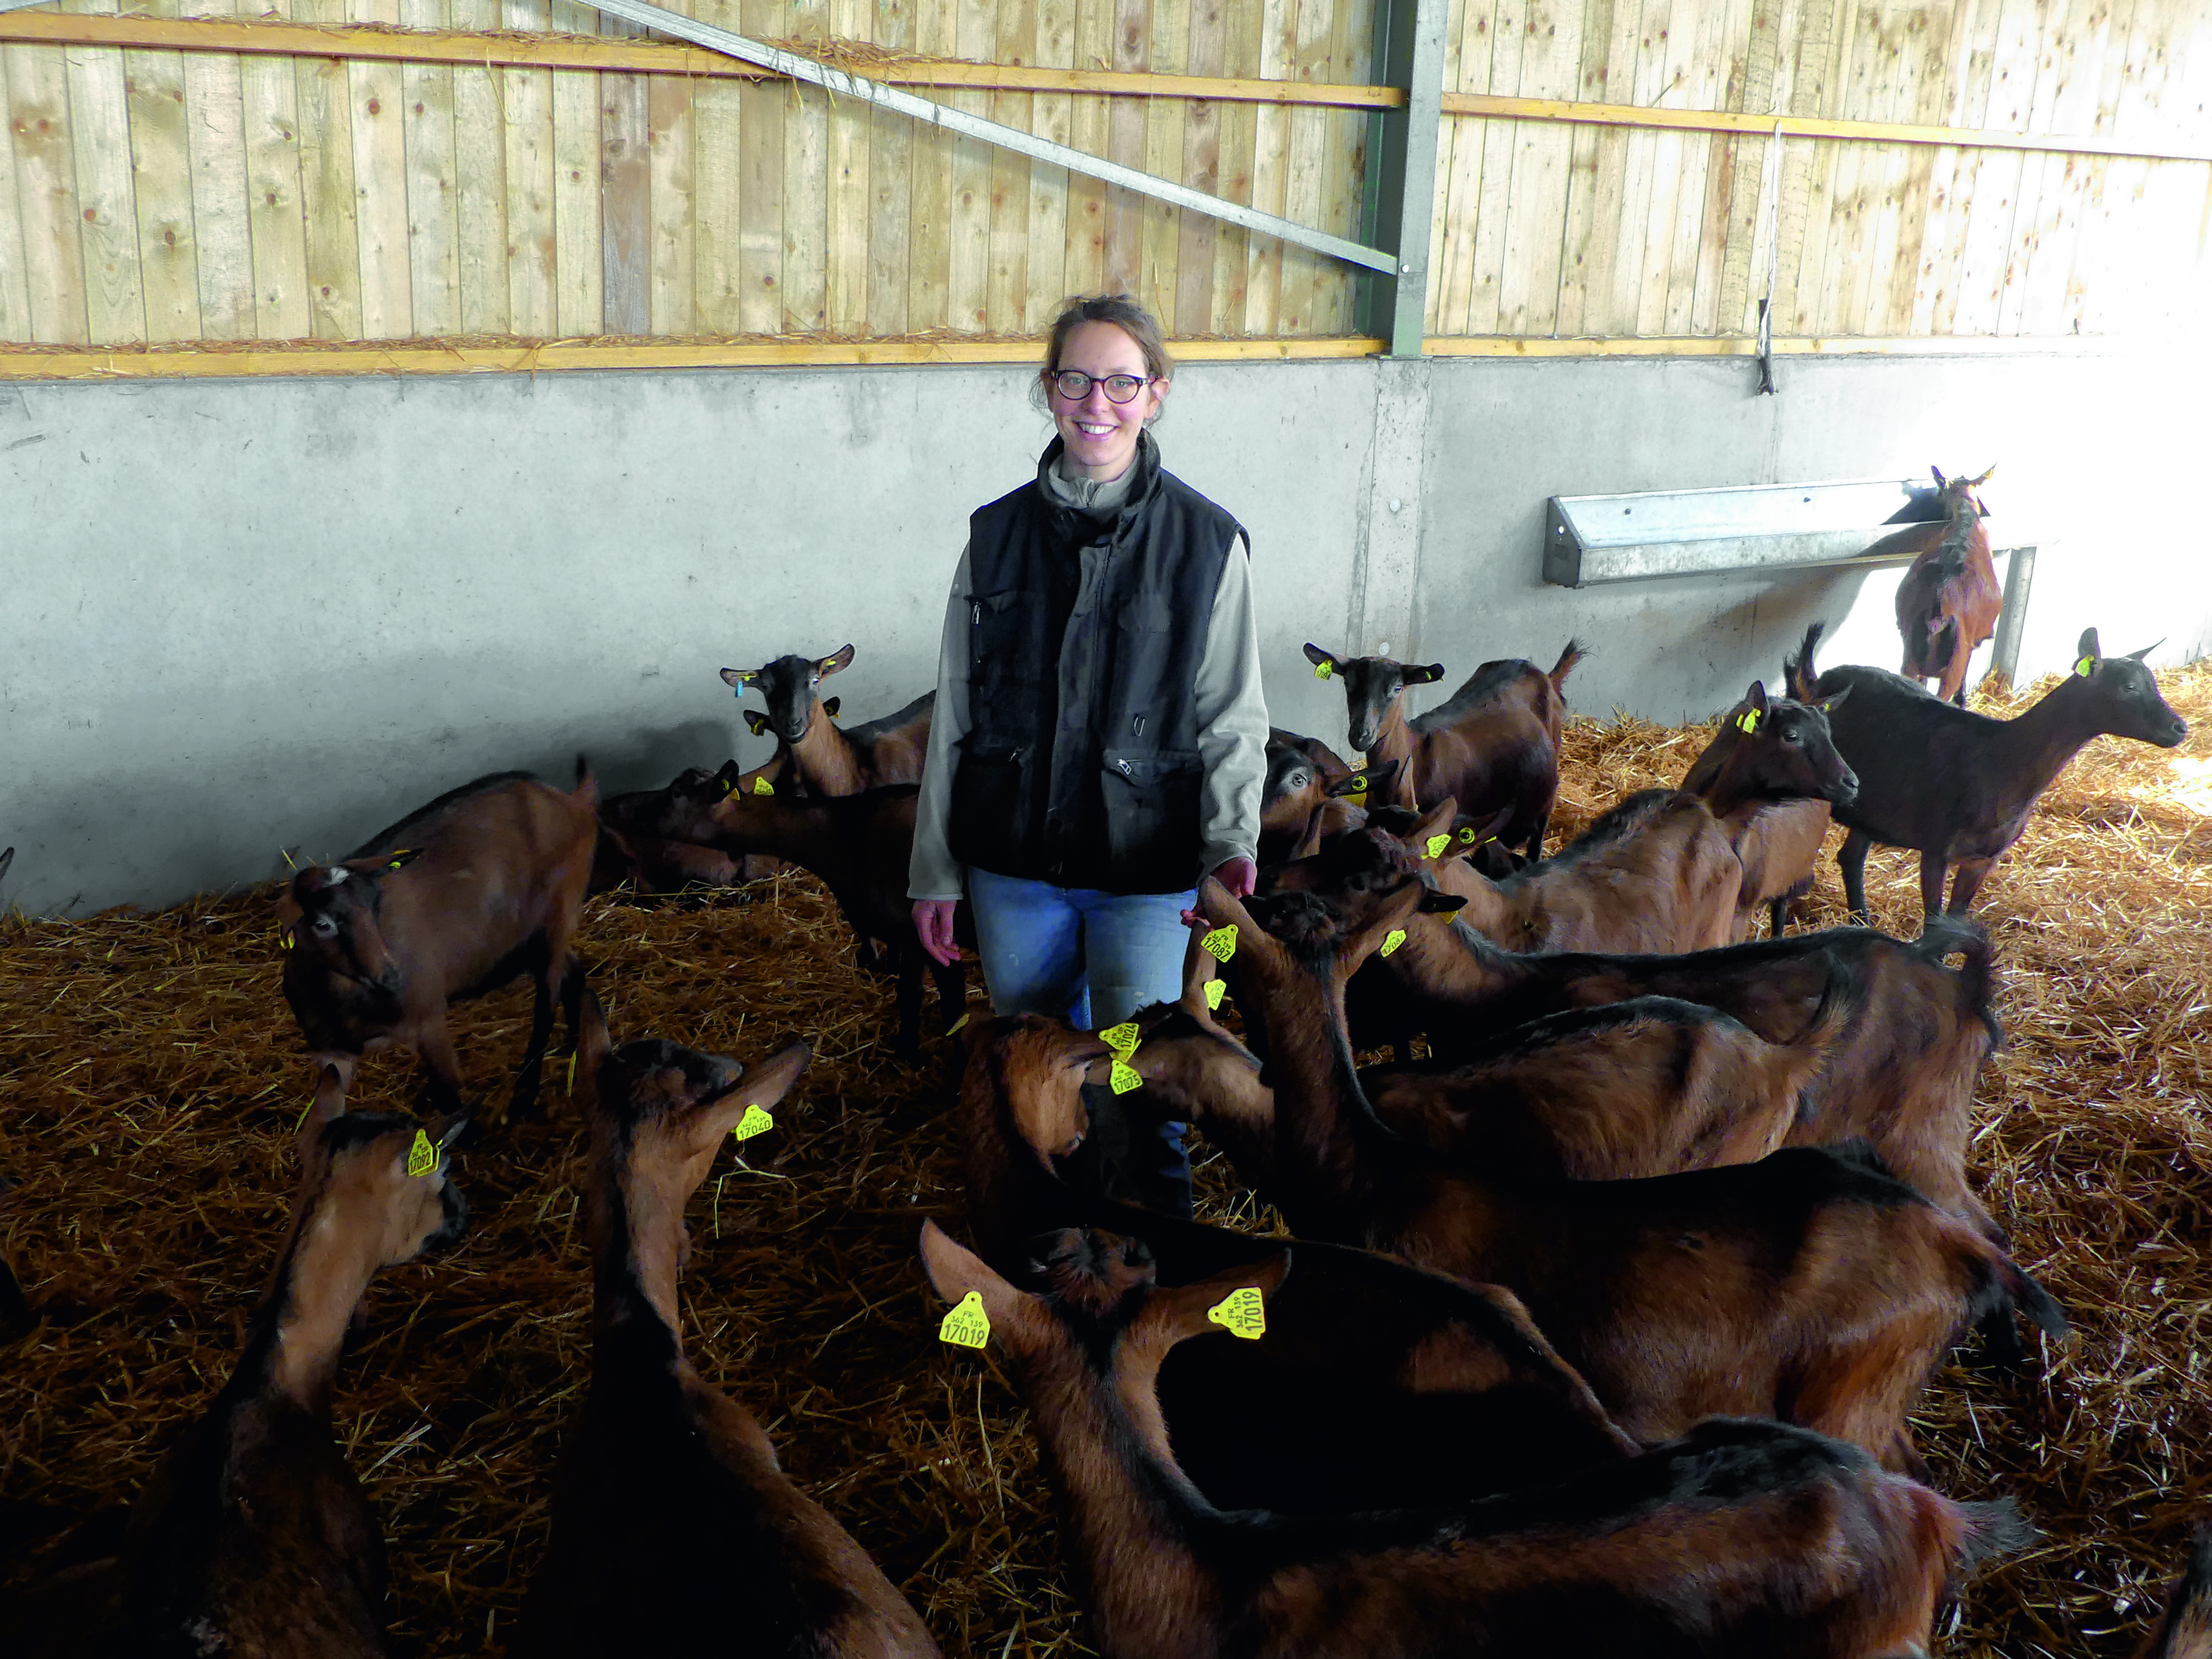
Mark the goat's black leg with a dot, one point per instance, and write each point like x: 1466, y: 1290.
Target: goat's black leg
x: 908, y: 1045
x: 523, y: 1106
x: 951, y: 981
x: 441, y: 1071
x: 1932, y: 868
x: 1777, y: 916
x: 1851, y: 861
x: 1536, y: 837
x: 1967, y: 882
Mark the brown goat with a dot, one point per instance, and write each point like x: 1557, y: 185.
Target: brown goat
x: 1948, y: 599
x: 1304, y: 793
x: 652, y: 864
x: 1435, y: 1390
x: 1810, y: 1285
x: 1743, y: 1538
x: 671, y: 1516
x: 828, y: 760
x: 1493, y: 745
x: 483, y: 885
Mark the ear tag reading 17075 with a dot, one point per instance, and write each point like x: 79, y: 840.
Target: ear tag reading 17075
x: 1393, y: 939
x: 1124, y: 1077
x: 1221, y: 943
x: 422, y: 1156
x: 1241, y: 1313
x: 755, y: 1121
x: 1214, y: 988
x: 2084, y: 667
x: 967, y: 1326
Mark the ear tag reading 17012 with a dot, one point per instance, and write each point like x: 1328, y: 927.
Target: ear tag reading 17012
x: 422, y: 1156
x: 1393, y: 939
x: 967, y: 1326
x: 1437, y: 844
x: 1241, y: 1313
x: 1747, y: 722
x: 1214, y: 988
x: 755, y: 1121
x: 762, y: 787
x: 1221, y: 943
x: 2084, y: 667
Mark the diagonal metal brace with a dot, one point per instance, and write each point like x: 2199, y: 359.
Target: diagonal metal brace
x: 843, y: 84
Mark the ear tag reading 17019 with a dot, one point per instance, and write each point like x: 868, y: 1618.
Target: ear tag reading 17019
x: 967, y: 1326
x: 762, y: 787
x: 1747, y: 722
x: 1221, y: 943
x: 1241, y: 1313
x: 756, y: 1121
x: 2084, y: 667
x: 1393, y: 939
x: 1437, y: 844
x: 422, y: 1156
x: 1214, y: 988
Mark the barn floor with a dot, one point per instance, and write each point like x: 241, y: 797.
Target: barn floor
x: 152, y: 1078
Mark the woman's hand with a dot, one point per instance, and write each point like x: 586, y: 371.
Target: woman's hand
x: 933, y: 921
x: 1239, y: 876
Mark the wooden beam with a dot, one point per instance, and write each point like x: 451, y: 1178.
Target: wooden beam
x: 1801, y: 127
x: 1746, y: 345
x: 483, y: 51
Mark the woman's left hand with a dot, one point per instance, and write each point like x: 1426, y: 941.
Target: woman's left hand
x: 1239, y: 876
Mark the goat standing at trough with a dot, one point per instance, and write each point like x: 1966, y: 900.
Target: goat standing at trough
x: 1745, y: 1538
x: 483, y: 885
x: 1948, y: 598
x: 1810, y: 1285
x: 1958, y: 786
x: 826, y: 759
x: 674, y: 1529
x: 1493, y: 745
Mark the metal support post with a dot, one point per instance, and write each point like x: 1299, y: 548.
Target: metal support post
x: 2011, y: 621
x: 1398, y: 205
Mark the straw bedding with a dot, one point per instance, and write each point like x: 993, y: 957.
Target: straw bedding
x: 152, y: 1076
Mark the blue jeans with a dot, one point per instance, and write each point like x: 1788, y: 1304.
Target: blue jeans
x: 1088, y: 958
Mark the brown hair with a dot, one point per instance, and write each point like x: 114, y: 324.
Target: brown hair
x: 1125, y: 314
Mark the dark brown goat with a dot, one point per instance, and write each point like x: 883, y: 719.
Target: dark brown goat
x: 253, y: 1537
x: 673, y: 1523
x: 827, y: 759
x: 1493, y: 746
x: 1743, y: 1538
x: 1810, y: 1285
x: 630, y: 851
x: 859, y: 845
x: 480, y: 886
x: 1958, y: 786
x: 1948, y: 599
x: 1305, y: 793
x: 1434, y: 1389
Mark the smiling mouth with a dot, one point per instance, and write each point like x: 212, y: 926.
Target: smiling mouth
x: 1089, y: 431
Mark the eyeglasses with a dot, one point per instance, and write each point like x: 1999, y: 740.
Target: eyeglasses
x: 1074, y: 384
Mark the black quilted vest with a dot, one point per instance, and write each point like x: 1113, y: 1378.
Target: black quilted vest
x: 1081, y: 765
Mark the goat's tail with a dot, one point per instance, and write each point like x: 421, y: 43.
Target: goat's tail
x: 2185, y: 1630
x: 1949, y: 936
x: 1943, y: 642
x: 1993, y: 1529
x: 1575, y: 652
x: 1798, y: 674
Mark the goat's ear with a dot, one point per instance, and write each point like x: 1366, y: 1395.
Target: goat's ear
x: 592, y: 1043
x: 1172, y: 1313
x: 1440, y: 904
x: 1938, y: 471
x: 385, y: 863
x: 1437, y: 821
x: 761, y: 1085
x: 329, y: 1104
x: 756, y: 722
x: 1423, y: 674
x: 829, y: 706
x: 1757, y: 696
x: 1321, y: 659
x: 2133, y: 656
x: 2085, y: 650
x: 1989, y: 473
x: 1833, y: 700
x: 1219, y: 907
x: 955, y: 1271
x: 740, y: 677
x: 836, y: 660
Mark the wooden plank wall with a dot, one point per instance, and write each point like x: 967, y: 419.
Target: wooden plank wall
x: 165, y: 195
x: 1547, y: 228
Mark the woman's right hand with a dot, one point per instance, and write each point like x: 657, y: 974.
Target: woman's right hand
x: 933, y: 921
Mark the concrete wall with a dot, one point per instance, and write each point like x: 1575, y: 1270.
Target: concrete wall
x: 248, y: 616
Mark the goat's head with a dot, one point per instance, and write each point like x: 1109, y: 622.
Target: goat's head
x: 340, y: 974
x: 1037, y: 1067
x: 789, y: 684
x: 1961, y: 490
x: 1372, y: 686
x: 366, y: 1173
x: 1787, y: 749
x: 2126, y: 699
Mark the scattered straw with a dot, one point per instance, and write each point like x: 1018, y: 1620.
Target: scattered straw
x: 154, y: 1077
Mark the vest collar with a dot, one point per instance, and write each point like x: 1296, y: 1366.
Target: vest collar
x: 1074, y: 524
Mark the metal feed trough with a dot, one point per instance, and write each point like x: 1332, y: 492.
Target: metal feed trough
x: 1771, y: 527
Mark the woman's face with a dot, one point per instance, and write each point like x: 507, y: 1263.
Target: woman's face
x: 1101, y: 434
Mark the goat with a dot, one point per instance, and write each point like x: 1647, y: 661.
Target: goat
x: 1493, y: 744
x: 671, y: 1516
x: 827, y: 760
x: 253, y: 1537
x: 485, y: 884
x: 1948, y: 598
x: 628, y: 851
x: 1770, y: 776
x: 2184, y: 1625
x: 1435, y: 1390
x: 1305, y: 794
x: 1742, y: 1538
x: 1900, y: 1072
x: 1958, y: 786
x: 857, y: 844
x: 1810, y: 1285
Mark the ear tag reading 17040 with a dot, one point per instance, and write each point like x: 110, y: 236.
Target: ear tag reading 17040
x: 1747, y: 721
x: 755, y: 1121
x: 967, y: 1326
x: 1393, y: 939
x: 422, y: 1156
x: 1241, y: 1313
x: 1221, y: 943
x: 1437, y: 844
x: 1214, y: 988
x: 762, y: 787
x: 2084, y: 667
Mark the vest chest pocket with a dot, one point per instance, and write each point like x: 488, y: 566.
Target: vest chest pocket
x: 995, y: 624
x: 1152, y: 817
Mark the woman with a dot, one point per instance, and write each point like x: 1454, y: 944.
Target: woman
x: 1100, y: 739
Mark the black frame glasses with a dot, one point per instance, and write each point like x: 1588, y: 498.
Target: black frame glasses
x: 1080, y: 389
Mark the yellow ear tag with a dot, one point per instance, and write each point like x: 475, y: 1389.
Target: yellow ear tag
x: 762, y: 787
x: 1241, y: 1313
x: 967, y: 1326
x: 729, y: 787
x: 571, y: 1074
x: 1221, y: 943
x: 1321, y: 670
x: 958, y: 1026
x: 1393, y: 939
x: 422, y: 1156
x: 1747, y: 722
x: 284, y: 940
x: 755, y: 1121
x: 1437, y: 844
x: 1468, y: 837
x: 2083, y: 667
x: 304, y: 1110
x: 1122, y: 1039
x: 1214, y: 988
x: 1124, y: 1077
